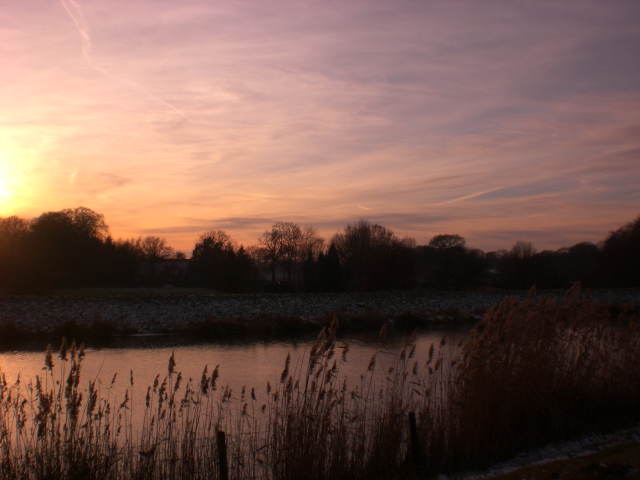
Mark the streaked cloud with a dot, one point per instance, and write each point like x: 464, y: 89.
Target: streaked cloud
x: 495, y: 120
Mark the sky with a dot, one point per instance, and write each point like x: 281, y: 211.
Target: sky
x: 495, y: 120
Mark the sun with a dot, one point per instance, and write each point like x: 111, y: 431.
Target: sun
x: 5, y: 190
x: 12, y: 183
x: 5, y: 194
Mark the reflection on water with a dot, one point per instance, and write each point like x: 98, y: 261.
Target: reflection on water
x: 242, y: 361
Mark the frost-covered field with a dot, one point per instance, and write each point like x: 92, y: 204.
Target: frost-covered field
x: 156, y: 312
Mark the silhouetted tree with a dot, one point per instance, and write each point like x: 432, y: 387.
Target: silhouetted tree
x: 451, y: 252
x: 66, y: 247
x: 372, y: 256
x: 88, y: 223
x: 14, y: 257
x: 287, y: 245
x: 219, y: 264
x: 621, y: 250
x: 213, y: 258
x: 310, y: 273
x: 447, y: 263
x: 72, y: 247
x: 582, y: 262
x: 517, y: 266
x: 290, y: 237
x: 330, y: 272
x: 447, y: 242
x: 402, y: 271
x: 245, y: 270
x: 546, y: 270
x: 154, y: 250
x: 471, y: 267
x: 125, y: 257
x: 270, y: 249
x: 323, y: 273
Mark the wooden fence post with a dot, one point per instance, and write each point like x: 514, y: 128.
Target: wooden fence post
x: 415, y: 443
x: 222, y: 455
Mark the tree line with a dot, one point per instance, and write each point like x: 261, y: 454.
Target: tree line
x: 73, y: 248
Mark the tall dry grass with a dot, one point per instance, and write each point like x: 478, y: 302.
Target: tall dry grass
x: 531, y: 372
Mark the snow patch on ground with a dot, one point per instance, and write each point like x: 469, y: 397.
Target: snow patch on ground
x: 586, y: 445
x: 159, y: 313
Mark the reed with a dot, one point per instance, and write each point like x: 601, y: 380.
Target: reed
x: 531, y: 372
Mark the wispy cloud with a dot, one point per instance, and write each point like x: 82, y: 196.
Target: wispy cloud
x: 72, y: 178
x: 479, y: 119
x: 75, y: 12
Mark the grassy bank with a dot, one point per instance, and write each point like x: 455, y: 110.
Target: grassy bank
x: 100, y: 332
x: 531, y: 372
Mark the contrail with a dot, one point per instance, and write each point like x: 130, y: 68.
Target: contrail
x: 83, y: 30
x: 81, y: 26
x: 467, y: 197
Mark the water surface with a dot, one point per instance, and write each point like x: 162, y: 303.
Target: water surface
x: 242, y: 362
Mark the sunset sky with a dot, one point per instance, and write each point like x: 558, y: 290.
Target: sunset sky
x: 496, y: 120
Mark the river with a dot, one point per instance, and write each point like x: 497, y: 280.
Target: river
x: 242, y: 362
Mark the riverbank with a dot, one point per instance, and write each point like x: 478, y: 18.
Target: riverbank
x: 121, y: 312
x: 158, y: 311
x: 102, y: 333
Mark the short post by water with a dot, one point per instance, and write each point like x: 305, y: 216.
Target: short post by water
x: 222, y: 455
x: 415, y: 443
